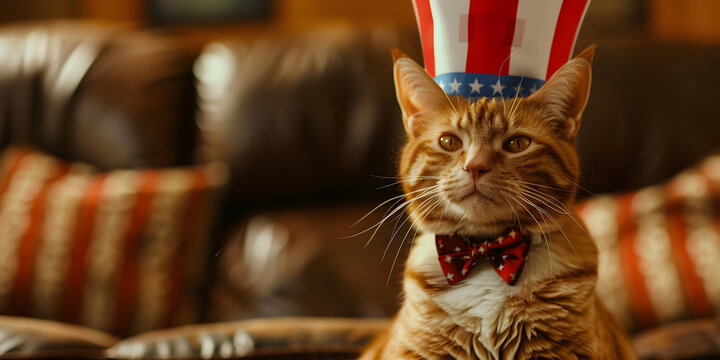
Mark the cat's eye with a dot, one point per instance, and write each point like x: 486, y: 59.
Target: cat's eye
x: 517, y: 144
x: 450, y: 142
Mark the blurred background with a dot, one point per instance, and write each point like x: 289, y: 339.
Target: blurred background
x: 200, y: 22
x: 277, y: 119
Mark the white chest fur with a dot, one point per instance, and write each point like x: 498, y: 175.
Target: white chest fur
x: 477, y: 303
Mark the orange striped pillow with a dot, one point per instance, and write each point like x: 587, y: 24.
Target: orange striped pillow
x: 660, y: 248
x: 120, y: 251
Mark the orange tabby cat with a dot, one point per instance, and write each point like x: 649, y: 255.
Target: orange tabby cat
x: 472, y: 170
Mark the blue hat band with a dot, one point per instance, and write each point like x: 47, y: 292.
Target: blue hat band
x: 474, y: 85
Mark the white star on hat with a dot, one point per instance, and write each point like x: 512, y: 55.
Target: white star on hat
x: 449, y: 276
x: 497, y: 88
x: 442, y: 85
x: 533, y: 89
x: 448, y: 259
x: 455, y: 85
x: 475, y: 85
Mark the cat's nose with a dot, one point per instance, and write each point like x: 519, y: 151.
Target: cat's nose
x: 477, y: 166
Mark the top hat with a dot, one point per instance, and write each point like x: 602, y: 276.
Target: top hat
x: 490, y: 48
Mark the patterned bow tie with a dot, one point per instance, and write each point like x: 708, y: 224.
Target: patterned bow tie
x: 506, y: 254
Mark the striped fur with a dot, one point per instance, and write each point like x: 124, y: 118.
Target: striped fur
x: 552, y: 312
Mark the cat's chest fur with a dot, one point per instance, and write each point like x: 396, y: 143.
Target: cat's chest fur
x: 479, y: 303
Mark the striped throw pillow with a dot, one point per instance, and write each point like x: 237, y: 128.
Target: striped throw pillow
x: 119, y: 251
x: 660, y: 248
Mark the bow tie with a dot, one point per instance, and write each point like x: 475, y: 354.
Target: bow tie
x: 506, y: 254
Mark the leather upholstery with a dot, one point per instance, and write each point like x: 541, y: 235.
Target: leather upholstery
x: 651, y: 113
x: 42, y: 339
x: 277, y: 338
x: 308, y: 117
x: 96, y: 94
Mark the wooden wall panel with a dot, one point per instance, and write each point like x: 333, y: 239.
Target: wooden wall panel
x: 302, y: 13
x: 289, y: 16
x: 130, y: 11
x: 685, y: 20
x: 37, y: 9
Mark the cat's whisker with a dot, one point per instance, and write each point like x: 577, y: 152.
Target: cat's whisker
x: 400, y: 179
x: 567, y: 212
x: 406, y: 203
x: 499, y: 72
x: 395, y: 230
x: 377, y: 207
x: 394, y: 198
x: 457, y: 112
x: 427, y: 192
x: 407, y: 177
x: 579, y: 186
x: 415, y: 226
x: 542, y: 186
x: 542, y: 211
x: 544, y: 201
x: 459, y: 223
x: 541, y: 192
x: 412, y: 242
x: 444, y: 210
x: 542, y: 232
x: 404, y: 181
x: 516, y: 103
x: 512, y: 208
x: 547, y: 243
x: 548, y: 198
x: 434, y: 203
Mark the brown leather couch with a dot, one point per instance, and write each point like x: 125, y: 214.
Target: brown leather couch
x: 309, y: 128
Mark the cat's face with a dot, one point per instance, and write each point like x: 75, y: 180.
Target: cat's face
x: 476, y: 168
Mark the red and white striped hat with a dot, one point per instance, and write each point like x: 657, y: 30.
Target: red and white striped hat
x: 488, y: 48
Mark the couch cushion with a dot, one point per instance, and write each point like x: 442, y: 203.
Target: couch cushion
x: 312, y: 117
x: 22, y: 338
x: 120, y: 251
x: 660, y: 248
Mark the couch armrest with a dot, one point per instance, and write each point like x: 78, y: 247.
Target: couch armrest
x: 23, y: 338
x: 689, y: 340
x: 276, y: 338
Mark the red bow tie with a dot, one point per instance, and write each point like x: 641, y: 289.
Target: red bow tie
x: 506, y: 254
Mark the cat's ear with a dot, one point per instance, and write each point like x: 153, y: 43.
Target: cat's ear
x: 566, y: 93
x: 417, y: 93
